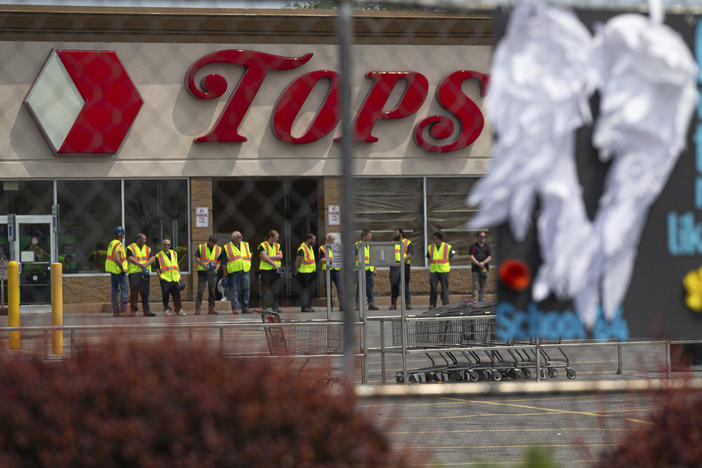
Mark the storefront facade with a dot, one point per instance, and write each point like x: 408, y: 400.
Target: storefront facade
x: 211, y: 121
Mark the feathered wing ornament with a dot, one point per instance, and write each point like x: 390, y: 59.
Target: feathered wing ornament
x: 537, y: 97
x: 648, y: 96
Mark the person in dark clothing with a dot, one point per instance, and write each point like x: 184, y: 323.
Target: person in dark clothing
x: 480, y: 256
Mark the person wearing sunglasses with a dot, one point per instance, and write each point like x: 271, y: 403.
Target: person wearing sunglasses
x: 480, y: 256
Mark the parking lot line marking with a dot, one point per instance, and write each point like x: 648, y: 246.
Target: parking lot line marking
x: 469, y: 447
x: 546, y: 410
x: 524, y: 429
x: 500, y: 463
x: 480, y: 415
x: 549, y: 410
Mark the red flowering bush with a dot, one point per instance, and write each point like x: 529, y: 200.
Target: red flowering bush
x: 165, y: 405
x: 674, y: 439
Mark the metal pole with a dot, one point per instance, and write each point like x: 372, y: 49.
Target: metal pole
x: 13, y: 302
x: 363, y: 314
x: 620, y: 366
x: 403, y: 319
x: 382, y: 351
x: 57, y: 307
x: 667, y: 358
x: 73, y: 342
x: 327, y: 278
x: 345, y: 34
x: 538, y: 361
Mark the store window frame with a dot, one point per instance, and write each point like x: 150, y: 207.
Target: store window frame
x: 122, y: 213
x: 425, y: 215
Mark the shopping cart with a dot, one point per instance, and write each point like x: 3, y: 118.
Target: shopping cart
x: 310, y: 337
x: 471, y: 325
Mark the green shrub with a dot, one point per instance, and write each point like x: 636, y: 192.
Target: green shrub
x: 164, y: 405
x: 674, y: 439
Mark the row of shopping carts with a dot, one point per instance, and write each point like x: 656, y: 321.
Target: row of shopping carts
x: 459, y: 341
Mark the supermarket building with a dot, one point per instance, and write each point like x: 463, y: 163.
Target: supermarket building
x: 183, y: 123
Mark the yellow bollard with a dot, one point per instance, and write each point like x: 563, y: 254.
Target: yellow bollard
x: 13, y: 310
x: 57, y: 307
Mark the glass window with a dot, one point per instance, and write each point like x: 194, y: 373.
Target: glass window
x: 159, y: 209
x: 448, y: 212
x: 385, y: 204
x: 4, y: 244
x: 90, y: 210
x: 26, y: 197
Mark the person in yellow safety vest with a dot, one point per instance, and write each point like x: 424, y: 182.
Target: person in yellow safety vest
x: 395, y: 275
x: 439, y: 253
x: 366, y: 236
x: 238, y: 265
x: 116, y: 266
x: 139, y: 270
x: 169, y: 275
x: 207, y: 258
x: 334, y: 273
x: 271, y: 261
x: 306, y: 266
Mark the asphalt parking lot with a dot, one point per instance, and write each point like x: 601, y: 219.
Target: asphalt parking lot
x: 441, y: 430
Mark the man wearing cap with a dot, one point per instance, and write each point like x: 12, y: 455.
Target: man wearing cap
x: 116, y: 266
x: 139, y: 270
x: 207, y: 260
x: 169, y: 273
x: 238, y: 264
x: 439, y: 254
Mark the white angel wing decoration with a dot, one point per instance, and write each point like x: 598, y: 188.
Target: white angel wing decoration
x: 648, y: 96
x: 537, y: 96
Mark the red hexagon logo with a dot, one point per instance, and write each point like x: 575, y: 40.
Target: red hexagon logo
x: 83, y: 101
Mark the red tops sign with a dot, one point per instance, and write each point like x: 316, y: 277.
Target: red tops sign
x: 258, y: 64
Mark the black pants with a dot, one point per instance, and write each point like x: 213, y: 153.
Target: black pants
x: 208, y: 278
x: 395, y: 277
x: 139, y: 285
x: 270, y: 285
x: 171, y: 287
x: 306, y: 283
x: 434, y: 279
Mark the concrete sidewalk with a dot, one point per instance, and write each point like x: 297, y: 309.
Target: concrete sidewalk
x: 419, y: 304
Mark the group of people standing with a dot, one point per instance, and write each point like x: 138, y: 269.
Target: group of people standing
x: 133, y: 266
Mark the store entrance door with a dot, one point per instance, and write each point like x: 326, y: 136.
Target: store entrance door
x: 33, y: 247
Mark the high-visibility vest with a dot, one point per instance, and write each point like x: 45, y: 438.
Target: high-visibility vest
x: 112, y: 265
x: 140, y: 255
x: 366, y: 254
x: 271, y: 250
x: 439, y: 258
x: 208, y: 256
x: 324, y: 260
x: 238, y: 258
x: 406, y: 243
x: 168, y: 268
x: 308, y: 263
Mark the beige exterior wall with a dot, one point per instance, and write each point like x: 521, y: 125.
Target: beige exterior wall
x: 160, y: 141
